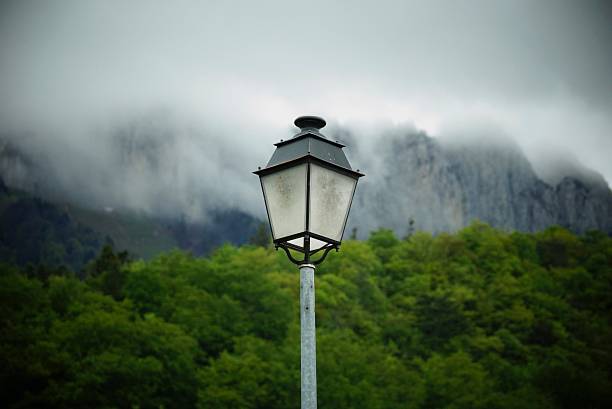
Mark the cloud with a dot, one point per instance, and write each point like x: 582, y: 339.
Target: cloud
x: 239, y: 72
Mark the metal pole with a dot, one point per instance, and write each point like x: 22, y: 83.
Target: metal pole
x: 308, y: 337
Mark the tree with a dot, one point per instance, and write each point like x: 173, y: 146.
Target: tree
x: 480, y: 318
x: 107, y: 271
x: 261, y: 237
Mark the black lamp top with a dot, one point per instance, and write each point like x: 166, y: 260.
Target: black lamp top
x: 310, y: 121
x: 309, y: 143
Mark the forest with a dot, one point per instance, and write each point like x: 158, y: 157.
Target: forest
x: 480, y: 318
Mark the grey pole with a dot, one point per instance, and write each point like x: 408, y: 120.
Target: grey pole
x: 308, y: 337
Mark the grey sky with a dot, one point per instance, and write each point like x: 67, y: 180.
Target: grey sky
x: 539, y: 71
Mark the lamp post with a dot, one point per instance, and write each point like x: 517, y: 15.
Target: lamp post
x: 308, y: 186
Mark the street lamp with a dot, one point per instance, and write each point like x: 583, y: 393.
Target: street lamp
x: 308, y: 186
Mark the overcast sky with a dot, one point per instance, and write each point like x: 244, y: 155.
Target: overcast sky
x: 539, y: 71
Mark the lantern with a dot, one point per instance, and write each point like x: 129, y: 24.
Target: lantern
x: 308, y: 186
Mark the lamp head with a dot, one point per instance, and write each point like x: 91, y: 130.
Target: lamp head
x: 308, y: 187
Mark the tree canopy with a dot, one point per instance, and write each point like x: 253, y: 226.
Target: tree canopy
x: 477, y: 319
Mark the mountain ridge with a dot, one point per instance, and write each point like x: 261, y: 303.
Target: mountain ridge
x: 36, y: 230
x: 444, y: 186
x: 414, y: 182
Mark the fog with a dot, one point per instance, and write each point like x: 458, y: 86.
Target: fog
x: 166, y: 106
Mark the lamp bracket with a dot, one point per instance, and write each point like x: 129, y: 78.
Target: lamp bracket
x: 293, y: 260
x: 327, y: 249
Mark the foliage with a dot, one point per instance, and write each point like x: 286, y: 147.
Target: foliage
x: 35, y: 231
x: 262, y: 236
x: 476, y: 319
x: 49, y: 235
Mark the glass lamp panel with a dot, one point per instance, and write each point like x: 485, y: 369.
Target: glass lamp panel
x: 297, y: 242
x: 331, y: 193
x: 285, y: 195
x: 314, y: 243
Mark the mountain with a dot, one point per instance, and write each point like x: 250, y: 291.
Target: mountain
x: 35, y: 230
x: 171, y: 187
x: 427, y: 184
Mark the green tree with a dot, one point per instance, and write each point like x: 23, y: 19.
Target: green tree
x: 455, y: 382
x: 107, y: 271
x: 480, y: 318
x: 261, y: 237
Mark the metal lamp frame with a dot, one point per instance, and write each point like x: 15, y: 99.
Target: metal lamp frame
x: 283, y: 242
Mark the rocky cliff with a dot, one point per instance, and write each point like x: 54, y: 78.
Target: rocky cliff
x: 443, y: 186
x: 438, y: 185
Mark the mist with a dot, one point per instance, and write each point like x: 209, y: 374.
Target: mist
x: 168, y: 107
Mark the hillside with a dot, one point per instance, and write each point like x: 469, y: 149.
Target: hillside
x: 477, y: 319
x: 35, y: 230
x: 136, y: 232
x: 158, y: 187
